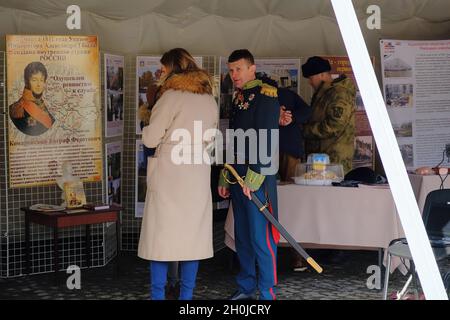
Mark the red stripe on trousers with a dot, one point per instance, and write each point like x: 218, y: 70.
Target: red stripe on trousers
x: 273, y: 294
x: 274, y: 263
x: 275, y: 232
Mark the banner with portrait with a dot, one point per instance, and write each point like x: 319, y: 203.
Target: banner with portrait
x: 114, y: 66
x: 53, y: 108
x: 114, y: 172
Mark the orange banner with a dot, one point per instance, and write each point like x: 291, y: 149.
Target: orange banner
x: 53, y: 108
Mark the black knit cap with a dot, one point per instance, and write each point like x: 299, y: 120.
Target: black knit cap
x: 315, y: 65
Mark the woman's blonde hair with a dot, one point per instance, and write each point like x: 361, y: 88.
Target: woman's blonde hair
x: 178, y: 60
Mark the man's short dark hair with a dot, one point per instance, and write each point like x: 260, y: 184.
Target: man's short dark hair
x: 33, y: 68
x: 241, y: 54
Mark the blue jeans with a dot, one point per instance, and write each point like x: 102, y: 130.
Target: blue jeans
x: 158, y: 279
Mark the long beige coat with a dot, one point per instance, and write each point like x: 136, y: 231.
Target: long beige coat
x: 177, y: 221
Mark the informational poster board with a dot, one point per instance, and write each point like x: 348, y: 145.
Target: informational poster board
x: 114, y: 172
x: 416, y: 87
x: 226, y: 91
x: 148, y: 73
x: 114, y: 66
x: 364, y: 142
x: 141, y: 180
x: 284, y: 71
x: 54, y: 112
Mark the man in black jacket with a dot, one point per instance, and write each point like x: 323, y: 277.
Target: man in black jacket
x: 293, y: 114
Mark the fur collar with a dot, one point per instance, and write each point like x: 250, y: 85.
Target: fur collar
x: 193, y: 81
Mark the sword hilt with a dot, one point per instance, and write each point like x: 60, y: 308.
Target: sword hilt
x: 234, y: 174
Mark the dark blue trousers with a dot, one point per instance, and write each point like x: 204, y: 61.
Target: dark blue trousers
x: 255, y: 240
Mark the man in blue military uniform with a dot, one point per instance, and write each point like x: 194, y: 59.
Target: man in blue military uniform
x: 255, y: 109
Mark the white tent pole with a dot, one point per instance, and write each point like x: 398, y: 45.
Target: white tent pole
x: 401, y: 189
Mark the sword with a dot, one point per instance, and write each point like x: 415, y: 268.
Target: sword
x: 263, y: 209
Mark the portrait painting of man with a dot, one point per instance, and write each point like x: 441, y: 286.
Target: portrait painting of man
x: 30, y: 114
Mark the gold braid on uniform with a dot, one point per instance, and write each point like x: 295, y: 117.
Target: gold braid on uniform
x: 269, y: 90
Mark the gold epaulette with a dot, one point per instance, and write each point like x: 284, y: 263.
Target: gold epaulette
x: 269, y: 90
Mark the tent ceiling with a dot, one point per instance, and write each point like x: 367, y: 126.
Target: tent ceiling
x: 267, y: 27
x: 392, y: 10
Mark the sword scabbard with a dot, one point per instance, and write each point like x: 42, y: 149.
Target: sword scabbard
x: 263, y: 209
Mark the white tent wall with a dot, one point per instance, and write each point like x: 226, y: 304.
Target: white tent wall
x: 269, y: 28
x: 215, y: 27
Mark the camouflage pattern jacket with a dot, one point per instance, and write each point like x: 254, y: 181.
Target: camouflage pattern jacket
x: 331, y: 128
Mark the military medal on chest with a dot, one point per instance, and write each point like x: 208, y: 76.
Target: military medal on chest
x: 240, y: 101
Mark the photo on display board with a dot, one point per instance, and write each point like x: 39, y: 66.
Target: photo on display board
x: 407, y: 153
x: 359, y: 102
x: 284, y: 72
x: 114, y: 66
x: 403, y: 129
x: 226, y: 90
x: 363, y: 156
x: 113, y: 172
x: 141, y: 179
x: 148, y: 75
x: 399, y: 95
x: 395, y: 67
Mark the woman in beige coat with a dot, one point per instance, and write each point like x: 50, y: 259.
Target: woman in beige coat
x: 177, y: 221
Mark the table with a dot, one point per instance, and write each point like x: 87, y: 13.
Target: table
x: 335, y: 217
x: 343, y: 218
x: 64, y: 219
x: 363, y: 218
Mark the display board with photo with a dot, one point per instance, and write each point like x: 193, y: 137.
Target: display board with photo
x: 226, y: 90
x: 284, y: 72
x: 113, y: 172
x: 141, y: 179
x: 416, y: 81
x: 148, y: 74
x: 364, y: 150
x: 114, y: 71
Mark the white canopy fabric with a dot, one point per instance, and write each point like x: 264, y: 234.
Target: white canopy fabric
x: 269, y: 28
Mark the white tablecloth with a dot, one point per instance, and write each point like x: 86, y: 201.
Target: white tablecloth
x: 363, y: 217
x: 346, y: 218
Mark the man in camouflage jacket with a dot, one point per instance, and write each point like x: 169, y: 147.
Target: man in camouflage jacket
x: 331, y: 128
